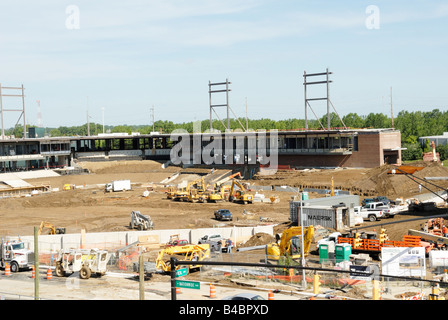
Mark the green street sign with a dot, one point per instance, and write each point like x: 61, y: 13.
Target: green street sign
x: 181, y: 272
x: 188, y: 284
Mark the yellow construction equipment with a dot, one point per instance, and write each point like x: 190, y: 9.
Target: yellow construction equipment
x: 51, y: 227
x: 192, y: 252
x: 198, y: 194
x: 170, y: 192
x: 181, y: 194
x: 240, y: 195
x: 288, y: 245
x: 218, y: 193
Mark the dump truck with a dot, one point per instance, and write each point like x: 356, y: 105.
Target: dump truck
x: 118, y: 185
x: 289, y: 244
x: 16, y: 255
x: 84, y: 261
x: 140, y: 221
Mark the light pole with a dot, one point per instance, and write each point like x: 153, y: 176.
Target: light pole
x: 302, y: 245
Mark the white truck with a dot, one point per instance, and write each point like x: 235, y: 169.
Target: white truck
x: 387, y: 210
x: 118, y: 185
x: 217, y: 243
x: 84, y: 261
x: 366, y: 214
x: 16, y: 255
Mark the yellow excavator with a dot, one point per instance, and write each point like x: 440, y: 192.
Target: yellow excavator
x: 240, y: 195
x: 51, y: 227
x: 288, y: 245
x: 191, y: 252
x: 218, y: 193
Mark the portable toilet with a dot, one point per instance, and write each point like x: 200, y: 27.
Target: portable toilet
x: 342, y: 252
x: 305, y: 195
x: 323, y: 252
x: 326, y: 251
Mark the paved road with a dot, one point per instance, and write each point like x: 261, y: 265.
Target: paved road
x: 112, y: 286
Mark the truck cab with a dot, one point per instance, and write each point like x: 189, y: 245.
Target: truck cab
x: 16, y: 254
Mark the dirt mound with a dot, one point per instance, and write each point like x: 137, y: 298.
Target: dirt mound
x: 258, y: 239
x: 132, y: 166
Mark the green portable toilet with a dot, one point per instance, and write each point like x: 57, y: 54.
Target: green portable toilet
x: 342, y: 252
x: 323, y: 252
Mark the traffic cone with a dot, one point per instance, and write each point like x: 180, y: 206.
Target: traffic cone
x: 33, y: 273
x: 49, y: 274
x: 271, y: 295
x: 7, y: 270
x: 212, y: 291
x: 178, y: 290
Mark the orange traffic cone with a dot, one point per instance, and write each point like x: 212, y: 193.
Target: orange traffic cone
x: 33, y: 273
x: 7, y: 270
x: 212, y: 291
x: 178, y: 290
x: 49, y: 274
x: 271, y: 295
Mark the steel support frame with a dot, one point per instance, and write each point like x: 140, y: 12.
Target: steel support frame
x: 213, y: 106
x: 327, y: 97
x: 22, y: 110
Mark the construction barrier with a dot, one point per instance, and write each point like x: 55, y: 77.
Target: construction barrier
x: 178, y: 290
x: 33, y: 273
x: 7, y: 270
x: 212, y: 291
x: 49, y: 274
x: 415, y: 297
x: 271, y: 295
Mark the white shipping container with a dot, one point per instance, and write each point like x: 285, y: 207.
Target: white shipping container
x: 438, y: 258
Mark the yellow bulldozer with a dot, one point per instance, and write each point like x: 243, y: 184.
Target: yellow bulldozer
x: 191, y: 252
x: 198, y: 194
x: 289, y: 243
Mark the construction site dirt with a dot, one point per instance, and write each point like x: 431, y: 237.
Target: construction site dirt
x: 87, y: 206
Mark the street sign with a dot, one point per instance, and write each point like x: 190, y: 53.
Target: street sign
x: 188, y: 284
x: 181, y: 272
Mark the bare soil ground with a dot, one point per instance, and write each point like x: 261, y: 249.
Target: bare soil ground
x: 89, y: 207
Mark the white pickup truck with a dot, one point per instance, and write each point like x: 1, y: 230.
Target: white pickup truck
x: 366, y: 214
x: 387, y: 210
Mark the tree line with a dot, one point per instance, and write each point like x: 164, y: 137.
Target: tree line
x: 412, y: 125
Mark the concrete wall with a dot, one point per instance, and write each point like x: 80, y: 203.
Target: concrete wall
x: 116, y: 240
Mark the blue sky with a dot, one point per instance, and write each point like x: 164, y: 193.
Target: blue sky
x: 127, y: 56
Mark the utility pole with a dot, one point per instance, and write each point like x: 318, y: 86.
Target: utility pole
x: 391, y: 108
x: 152, y: 118
x: 247, y: 121
x: 102, y: 111
x: 88, y: 124
x: 141, y: 276
x: 36, y: 263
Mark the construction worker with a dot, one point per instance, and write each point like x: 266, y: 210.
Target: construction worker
x: 229, y: 245
x: 445, y: 231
